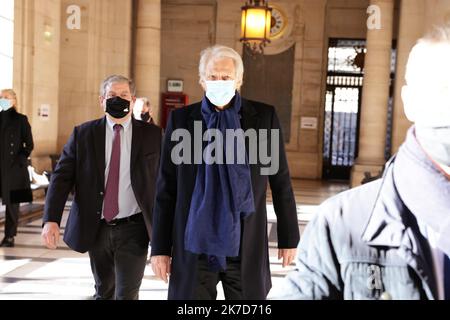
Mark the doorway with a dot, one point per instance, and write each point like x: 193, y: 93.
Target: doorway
x: 342, y: 107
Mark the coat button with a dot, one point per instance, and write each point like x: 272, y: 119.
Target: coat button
x: 101, y: 193
x: 98, y: 212
x: 12, y: 144
x: 11, y: 153
x: 386, y: 296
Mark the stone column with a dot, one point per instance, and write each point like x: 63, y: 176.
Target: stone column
x: 375, y: 97
x: 101, y: 47
x: 436, y: 12
x: 36, y: 68
x: 147, y: 60
x: 411, y: 28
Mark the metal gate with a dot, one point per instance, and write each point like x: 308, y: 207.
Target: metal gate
x: 342, y: 106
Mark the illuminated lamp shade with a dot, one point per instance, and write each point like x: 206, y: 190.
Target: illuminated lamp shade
x: 255, y: 25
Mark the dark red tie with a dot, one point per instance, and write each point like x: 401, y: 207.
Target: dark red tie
x: 111, y: 208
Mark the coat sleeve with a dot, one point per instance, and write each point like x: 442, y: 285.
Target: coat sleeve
x: 316, y: 275
x: 165, y: 197
x: 27, y: 139
x: 283, y: 196
x: 61, y: 182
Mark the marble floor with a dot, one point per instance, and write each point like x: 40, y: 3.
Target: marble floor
x: 29, y: 271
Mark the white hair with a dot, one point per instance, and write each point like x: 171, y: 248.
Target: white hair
x: 217, y: 52
x: 116, y: 79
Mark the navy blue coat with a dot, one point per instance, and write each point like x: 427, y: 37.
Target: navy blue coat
x: 82, y: 168
x: 173, y: 196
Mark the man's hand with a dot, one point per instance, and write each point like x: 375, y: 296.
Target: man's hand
x: 161, y: 266
x: 50, y: 235
x: 288, y: 256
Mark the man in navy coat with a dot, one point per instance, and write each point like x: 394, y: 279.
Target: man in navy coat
x: 210, y: 219
x: 111, y: 164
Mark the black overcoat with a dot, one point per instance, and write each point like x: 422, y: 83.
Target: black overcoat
x: 15, y: 147
x: 173, y: 196
x: 81, y: 168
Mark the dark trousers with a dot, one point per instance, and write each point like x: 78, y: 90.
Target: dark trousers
x: 207, y: 280
x: 118, y: 260
x: 11, y: 220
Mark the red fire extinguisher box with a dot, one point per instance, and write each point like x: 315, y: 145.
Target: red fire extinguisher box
x: 169, y: 102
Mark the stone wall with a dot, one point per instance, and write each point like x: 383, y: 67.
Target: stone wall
x: 147, y: 52
x: 188, y: 26
x: 100, y: 48
x: 416, y: 17
x: 61, y: 69
x: 37, y: 66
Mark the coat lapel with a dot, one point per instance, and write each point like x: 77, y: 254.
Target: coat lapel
x: 195, y: 115
x: 136, y: 142
x: 8, y: 118
x: 249, y: 116
x: 392, y: 225
x: 417, y: 254
x: 250, y: 120
x: 98, y: 136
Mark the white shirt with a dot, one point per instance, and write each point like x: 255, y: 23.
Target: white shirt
x: 128, y: 205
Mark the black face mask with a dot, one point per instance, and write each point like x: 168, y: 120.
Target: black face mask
x: 145, y: 116
x: 117, y: 107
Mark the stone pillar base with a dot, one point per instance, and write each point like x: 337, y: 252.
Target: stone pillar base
x: 362, y: 173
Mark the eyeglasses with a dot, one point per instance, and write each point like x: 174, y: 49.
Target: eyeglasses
x: 214, y: 77
x: 123, y: 95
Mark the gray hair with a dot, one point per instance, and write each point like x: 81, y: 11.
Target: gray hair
x: 116, y: 79
x: 217, y: 52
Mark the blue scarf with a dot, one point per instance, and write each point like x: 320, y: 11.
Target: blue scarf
x: 424, y: 189
x: 222, y: 195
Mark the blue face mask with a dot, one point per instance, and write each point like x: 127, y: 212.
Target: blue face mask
x: 220, y: 92
x: 5, y: 104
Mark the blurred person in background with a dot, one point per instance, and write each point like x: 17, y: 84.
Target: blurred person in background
x: 16, y: 144
x: 147, y: 111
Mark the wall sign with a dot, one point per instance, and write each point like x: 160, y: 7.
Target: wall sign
x: 174, y: 85
x: 44, y: 112
x: 308, y: 123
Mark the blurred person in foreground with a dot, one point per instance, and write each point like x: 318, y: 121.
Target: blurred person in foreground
x: 390, y: 239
